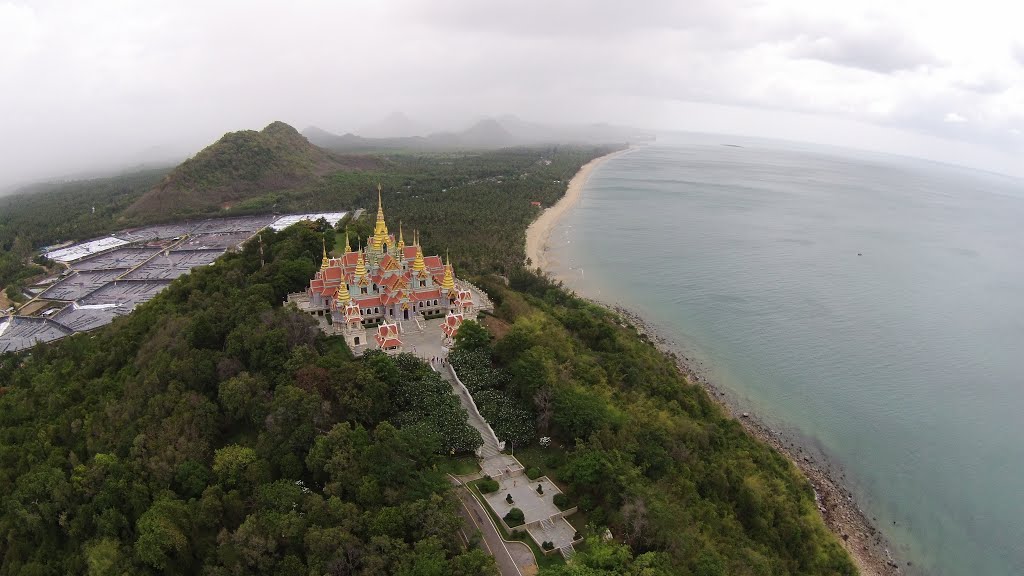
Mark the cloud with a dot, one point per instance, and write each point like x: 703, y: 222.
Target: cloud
x: 989, y: 85
x: 953, y: 118
x: 1017, y: 50
x: 91, y: 85
x: 879, y: 49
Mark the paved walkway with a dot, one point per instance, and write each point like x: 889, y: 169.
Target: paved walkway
x: 512, y: 558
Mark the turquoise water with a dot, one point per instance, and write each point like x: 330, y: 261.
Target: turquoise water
x: 873, y: 303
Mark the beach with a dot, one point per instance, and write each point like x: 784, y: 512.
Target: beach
x: 539, y: 232
x: 855, y: 530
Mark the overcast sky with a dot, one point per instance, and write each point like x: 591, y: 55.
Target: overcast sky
x: 92, y: 85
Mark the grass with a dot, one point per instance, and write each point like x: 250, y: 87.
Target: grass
x: 459, y: 465
x: 542, y: 560
x: 548, y: 460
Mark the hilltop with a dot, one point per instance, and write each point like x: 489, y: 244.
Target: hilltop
x: 240, y: 165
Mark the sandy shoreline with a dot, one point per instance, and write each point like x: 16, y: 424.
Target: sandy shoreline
x: 539, y: 232
x: 867, y: 546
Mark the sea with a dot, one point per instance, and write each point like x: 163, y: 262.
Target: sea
x: 872, y: 305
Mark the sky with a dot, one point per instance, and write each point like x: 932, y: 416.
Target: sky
x: 100, y: 85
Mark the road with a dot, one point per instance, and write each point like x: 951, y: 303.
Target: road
x: 512, y: 558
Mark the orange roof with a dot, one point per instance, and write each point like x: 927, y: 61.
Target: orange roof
x: 332, y: 274
x: 389, y: 282
x: 428, y: 295
x: 390, y: 343
x: 387, y: 331
x: 409, y: 252
x: 373, y: 301
x: 433, y: 262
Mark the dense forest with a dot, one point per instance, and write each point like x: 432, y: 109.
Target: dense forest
x: 214, y: 431
x: 642, y: 451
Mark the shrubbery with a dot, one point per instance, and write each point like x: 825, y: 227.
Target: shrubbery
x: 560, y: 500
x: 514, y: 517
x: 533, y: 473
x: 509, y: 420
x: 475, y: 370
x: 487, y: 485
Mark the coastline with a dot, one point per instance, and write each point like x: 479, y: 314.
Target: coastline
x: 539, y: 231
x: 869, y: 549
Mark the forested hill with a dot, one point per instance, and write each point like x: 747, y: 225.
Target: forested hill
x: 240, y: 165
x: 213, y: 432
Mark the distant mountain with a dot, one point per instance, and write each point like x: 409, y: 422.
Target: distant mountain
x: 394, y: 125
x: 241, y: 165
x: 500, y: 132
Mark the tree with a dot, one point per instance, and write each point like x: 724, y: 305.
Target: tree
x: 233, y: 465
x: 472, y: 336
x: 163, y: 531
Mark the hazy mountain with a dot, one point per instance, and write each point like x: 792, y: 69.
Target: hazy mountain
x: 498, y: 132
x: 394, y: 125
x: 241, y: 165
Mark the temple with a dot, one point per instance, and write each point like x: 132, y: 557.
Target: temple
x: 387, y: 286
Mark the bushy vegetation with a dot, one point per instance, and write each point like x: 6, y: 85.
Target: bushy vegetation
x: 651, y: 456
x: 421, y: 398
x: 514, y: 517
x: 560, y: 500
x: 487, y: 485
x: 510, y: 421
x: 475, y: 370
x: 214, y: 432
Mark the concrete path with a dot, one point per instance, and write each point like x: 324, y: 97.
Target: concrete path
x: 512, y: 558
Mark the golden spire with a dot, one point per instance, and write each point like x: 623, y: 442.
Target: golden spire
x: 419, y: 265
x: 360, y: 266
x: 401, y: 239
x: 380, y: 230
x: 448, y: 283
x: 348, y: 247
x: 324, y: 263
x: 343, y: 295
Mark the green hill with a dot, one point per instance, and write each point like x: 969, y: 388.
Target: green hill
x: 241, y: 165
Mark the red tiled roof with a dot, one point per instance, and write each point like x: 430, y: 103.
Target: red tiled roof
x: 433, y: 262
x: 332, y: 274
x: 409, y: 252
x: 428, y: 295
x: 390, y: 343
x: 372, y: 301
